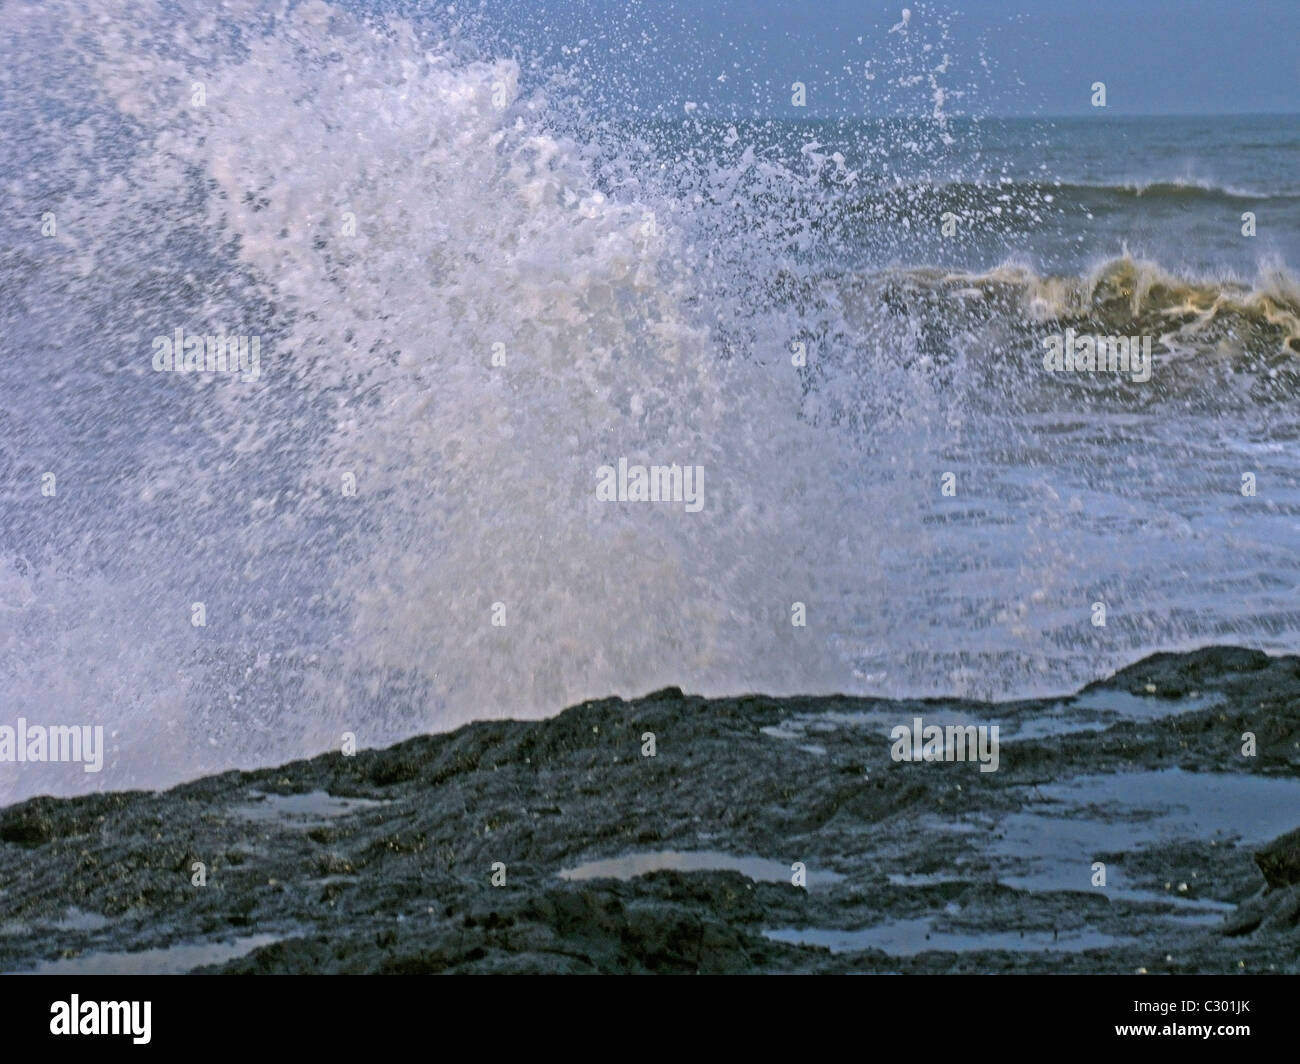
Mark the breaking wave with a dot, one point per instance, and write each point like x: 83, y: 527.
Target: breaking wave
x: 471, y: 295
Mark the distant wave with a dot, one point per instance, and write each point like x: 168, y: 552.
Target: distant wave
x: 1129, y: 293
x: 1183, y: 188
x: 1177, y: 189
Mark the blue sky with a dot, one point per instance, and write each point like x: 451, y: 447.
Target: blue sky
x: 733, y: 58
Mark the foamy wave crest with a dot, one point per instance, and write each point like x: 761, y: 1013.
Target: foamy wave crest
x: 459, y: 320
x: 1127, y: 294
x: 476, y: 227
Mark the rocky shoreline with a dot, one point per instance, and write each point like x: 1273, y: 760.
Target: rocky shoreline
x: 580, y: 844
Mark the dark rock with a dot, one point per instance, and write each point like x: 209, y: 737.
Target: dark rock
x: 404, y: 879
x: 1280, y: 860
x: 27, y: 825
x: 1167, y: 675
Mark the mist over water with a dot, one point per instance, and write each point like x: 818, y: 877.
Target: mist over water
x: 390, y: 204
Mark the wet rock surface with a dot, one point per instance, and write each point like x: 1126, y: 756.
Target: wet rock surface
x: 385, y: 861
x: 1280, y: 861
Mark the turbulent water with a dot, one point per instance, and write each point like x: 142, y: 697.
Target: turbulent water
x: 472, y: 287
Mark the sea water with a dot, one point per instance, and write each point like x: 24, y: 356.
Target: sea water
x: 473, y: 284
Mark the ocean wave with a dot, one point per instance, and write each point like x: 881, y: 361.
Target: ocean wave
x: 473, y: 296
x: 1126, y: 293
x: 1172, y: 188
x: 1180, y: 188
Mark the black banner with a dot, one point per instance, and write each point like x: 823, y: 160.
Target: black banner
x: 168, y: 1013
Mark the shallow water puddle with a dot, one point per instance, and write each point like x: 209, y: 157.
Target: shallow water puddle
x: 759, y: 869
x: 173, y: 960
x: 1128, y: 706
x: 1051, y: 726
x: 75, y: 919
x: 1094, y: 711
x: 1064, y: 718
x: 1196, y: 912
x: 1052, y: 844
x: 800, y: 726
x: 906, y: 938
x: 310, y: 809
